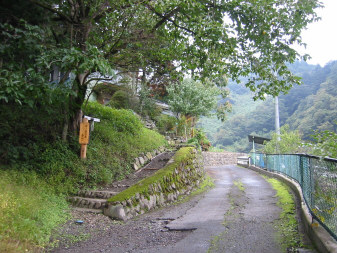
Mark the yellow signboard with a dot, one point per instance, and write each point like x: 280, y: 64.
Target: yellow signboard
x: 84, y: 132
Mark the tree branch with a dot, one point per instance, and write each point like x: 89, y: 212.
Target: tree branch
x: 98, y: 79
x: 47, y: 7
x: 167, y: 17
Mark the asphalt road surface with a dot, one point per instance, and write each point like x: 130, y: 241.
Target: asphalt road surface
x: 237, y: 215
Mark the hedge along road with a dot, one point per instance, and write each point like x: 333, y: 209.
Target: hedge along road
x: 237, y: 215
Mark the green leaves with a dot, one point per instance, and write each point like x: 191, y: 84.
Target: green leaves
x: 192, y: 98
x: 212, y: 39
x: 168, y: 39
x: 326, y: 143
x: 19, y: 88
x: 121, y: 120
x: 290, y: 142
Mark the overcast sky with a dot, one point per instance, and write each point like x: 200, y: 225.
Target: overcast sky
x: 321, y: 36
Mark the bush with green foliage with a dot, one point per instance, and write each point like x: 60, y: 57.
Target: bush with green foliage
x: 200, y: 140
x: 325, y: 143
x: 31, y: 122
x: 192, y: 98
x: 166, y: 123
x: 290, y: 142
x: 216, y: 149
x: 120, y: 120
x: 120, y: 100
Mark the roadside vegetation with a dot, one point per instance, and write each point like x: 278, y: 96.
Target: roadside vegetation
x: 29, y: 210
x: 287, y: 226
x: 33, y: 190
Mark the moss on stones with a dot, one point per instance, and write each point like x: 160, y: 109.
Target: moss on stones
x: 178, y: 177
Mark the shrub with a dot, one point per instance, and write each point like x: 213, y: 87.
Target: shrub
x: 290, y: 142
x: 121, y: 120
x: 119, y: 100
x: 200, y: 140
x: 26, y: 125
x: 165, y: 123
x: 325, y: 143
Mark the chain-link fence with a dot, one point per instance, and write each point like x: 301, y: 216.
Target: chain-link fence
x: 317, y: 178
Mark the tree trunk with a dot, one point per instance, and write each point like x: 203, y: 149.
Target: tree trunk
x: 75, y: 104
x: 65, y: 129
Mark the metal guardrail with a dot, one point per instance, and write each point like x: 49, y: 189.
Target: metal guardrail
x: 317, y: 178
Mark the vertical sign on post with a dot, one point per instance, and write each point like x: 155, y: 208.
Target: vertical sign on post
x: 84, y: 137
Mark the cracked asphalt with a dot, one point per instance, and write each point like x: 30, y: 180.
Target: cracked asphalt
x: 237, y: 215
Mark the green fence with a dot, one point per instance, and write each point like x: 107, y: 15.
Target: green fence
x: 317, y: 178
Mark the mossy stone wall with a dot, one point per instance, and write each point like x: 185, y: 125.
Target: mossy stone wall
x: 183, y: 173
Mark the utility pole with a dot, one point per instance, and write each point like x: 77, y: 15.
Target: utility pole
x: 277, y: 120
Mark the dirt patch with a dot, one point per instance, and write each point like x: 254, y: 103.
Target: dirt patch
x: 98, y: 233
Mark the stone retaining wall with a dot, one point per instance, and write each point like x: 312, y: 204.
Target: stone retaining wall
x: 181, y: 175
x: 143, y: 159
x: 221, y: 158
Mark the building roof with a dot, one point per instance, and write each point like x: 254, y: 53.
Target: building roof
x: 257, y: 139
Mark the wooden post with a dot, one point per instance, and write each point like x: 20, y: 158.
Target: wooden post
x: 84, y: 151
x: 84, y: 137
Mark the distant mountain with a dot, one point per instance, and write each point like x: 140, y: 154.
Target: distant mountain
x: 318, y: 110
x: 310, y: 106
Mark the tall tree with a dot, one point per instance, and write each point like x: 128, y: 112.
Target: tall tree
x: 192, y: 99
x: 207, y: 38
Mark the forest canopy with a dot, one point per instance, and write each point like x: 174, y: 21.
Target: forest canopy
x: 79, y: 42
x: 308, y: 107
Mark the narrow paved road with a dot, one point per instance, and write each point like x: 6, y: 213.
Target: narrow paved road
x: 237, y: 215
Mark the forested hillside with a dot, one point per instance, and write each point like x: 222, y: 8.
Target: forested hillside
x: 308, y: 107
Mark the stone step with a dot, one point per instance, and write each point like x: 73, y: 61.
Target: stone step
x: 87, y: 202
x: 97, y: 194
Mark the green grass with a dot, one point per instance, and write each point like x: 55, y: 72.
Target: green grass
x: 239, y: 185
x: 29, y: 211
x: 32, y: 191
x: 287, y: 225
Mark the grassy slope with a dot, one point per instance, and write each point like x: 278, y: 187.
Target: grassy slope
x: 32, y: 201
